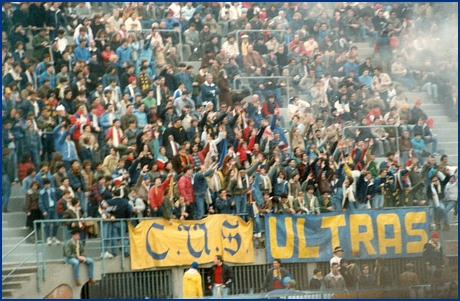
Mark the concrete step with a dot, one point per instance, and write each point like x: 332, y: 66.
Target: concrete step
x: 8, y: 293
x: 26, y: 269
x: 16, y: 202
x: 15, y: 232
x: 13, y: 285
x: 14, y: 219
x: 11, y: 240
x: 19, y: 277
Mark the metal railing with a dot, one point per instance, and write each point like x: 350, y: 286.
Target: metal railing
x: 13, y: 249
x: 288, y: 85
x: 237, y: 37
x: 103, y: 238
x: 164, y: 30
x: 375, y: 126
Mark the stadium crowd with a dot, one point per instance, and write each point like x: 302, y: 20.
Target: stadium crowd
x: 102, y: 117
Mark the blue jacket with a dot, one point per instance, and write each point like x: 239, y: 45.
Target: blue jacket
x: 59, y: 137
x: 253, y: 113
x: 52, y: 79
x: 256, y: 193
x: 124, y: 54
x: 76, y: 181
x: 279, y: 188
x: 43, y: 200
x: 141, y: 118
x: 200, y: 185
x: 39, y: 179
x: 32, y: 140
x: 82, y: 54
x: 349, y: 66
x: 418, y: 145
x: 104, y: 120
x: 363, y: 189
x: 208, y: 92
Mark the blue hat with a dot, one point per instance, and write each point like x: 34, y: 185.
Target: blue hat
x: 195, y: 265
x: 263, y: 165
x: 145, y: 177
x: 286, y: 280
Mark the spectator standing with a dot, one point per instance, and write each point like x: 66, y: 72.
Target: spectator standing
x: 47, y: 204
x: 221, y: 278
x: 432, y: 254
x: 274, y: 278
x: 317, y: 281
x: 334, y: 280
x: 192, y: 284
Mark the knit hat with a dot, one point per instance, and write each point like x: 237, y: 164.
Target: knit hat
x: 195, y: 265
x: 418, y: 102
x: 7, y: 90
x: 405, y: 106
x: 145, y: 178
x: 337, y: 249
x: 117, y: 181
x: 435, y: 235
x: 60, y: 108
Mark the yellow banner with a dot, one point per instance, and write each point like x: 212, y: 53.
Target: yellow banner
x: 156, y: 243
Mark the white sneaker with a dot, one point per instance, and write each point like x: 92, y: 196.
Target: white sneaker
x: 49, y: 241
x: 107, y: 255
x: 56, y: 241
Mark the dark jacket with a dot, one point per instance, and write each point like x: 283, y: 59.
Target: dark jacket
x: 227, y: 275
x: 268, y: 281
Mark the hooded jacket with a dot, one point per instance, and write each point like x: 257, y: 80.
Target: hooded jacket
x: 192, y: 284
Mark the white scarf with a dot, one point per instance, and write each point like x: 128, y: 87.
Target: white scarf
x: 240, y: 181
x: 77, y: 213
x: 115, y: 139
x: 435, y: 192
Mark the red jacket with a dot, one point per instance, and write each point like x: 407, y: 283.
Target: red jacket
x: 156, y: 194
x: 185, y: 187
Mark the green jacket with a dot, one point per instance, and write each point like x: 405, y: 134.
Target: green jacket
x: 70, y: 249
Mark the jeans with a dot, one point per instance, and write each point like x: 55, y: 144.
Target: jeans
x: 434, y: 141
x: 439, y: 212
x: 257, y: 227
x: 240, y: 204
x: 430, y: 89
x: 83, y: 201
x: 377, y: 201
x: 360, y: 205
x: 107, y: 235
x: 35, y: 156
x: 365, y: 32
x: 119, y: 228
x: 52, y: 215
x: 449, y: 205
x: 216, y: 288
x: 76, y: 266
x: 336, y: 204
x: 199, y: 206
x: 6, y: 191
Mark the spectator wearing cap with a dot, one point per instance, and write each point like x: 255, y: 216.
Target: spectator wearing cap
x: 132, y: 88
x: 432, y: 254
x: 408, y: 278
x: 192, y: 286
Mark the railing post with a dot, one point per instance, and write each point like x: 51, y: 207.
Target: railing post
x: 39, y: 283
x: 43, y: 249
x: 122, y: 245
x: 101, y: 227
